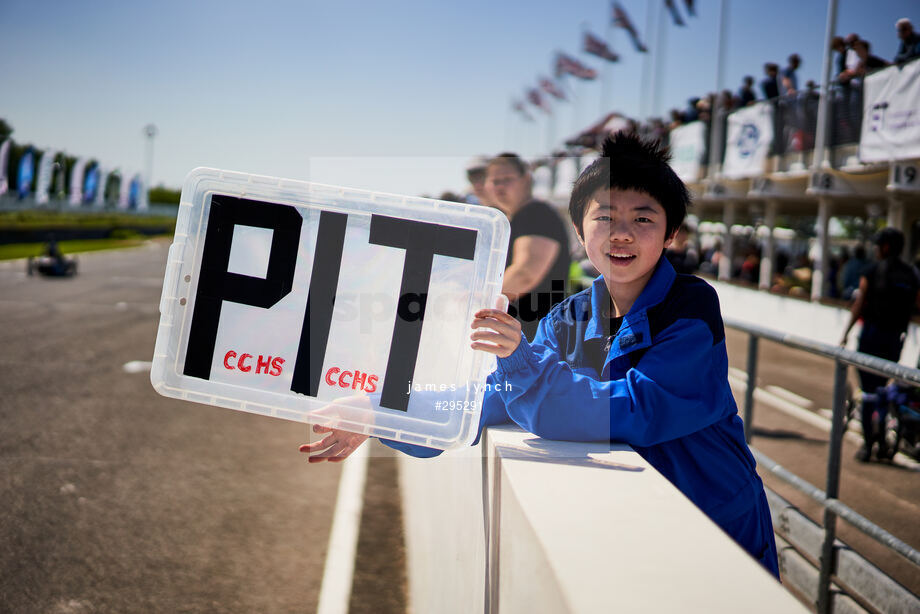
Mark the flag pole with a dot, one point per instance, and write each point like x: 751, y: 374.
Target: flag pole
x: 824, y: 102
x: 723, y: 36
x: 607, y: 77
x: 659, y: 60
x: 716, y: 112
x: 576, y: 101
x: 509, y: 112
x: 645, y: 86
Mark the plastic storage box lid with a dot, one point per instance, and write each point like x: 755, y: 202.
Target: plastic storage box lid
x: 329, y: 305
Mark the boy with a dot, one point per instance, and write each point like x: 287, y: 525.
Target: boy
x: 637, y: 358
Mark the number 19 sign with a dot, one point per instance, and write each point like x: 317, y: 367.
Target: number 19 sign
x: 329, y: 305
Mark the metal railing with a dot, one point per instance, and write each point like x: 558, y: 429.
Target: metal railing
x: 828, y: 498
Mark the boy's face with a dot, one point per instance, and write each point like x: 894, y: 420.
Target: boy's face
x: 624, y: 235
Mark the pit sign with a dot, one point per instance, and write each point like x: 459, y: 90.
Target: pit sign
x: 329, y: 305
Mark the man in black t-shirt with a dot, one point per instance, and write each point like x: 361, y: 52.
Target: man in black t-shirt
x: 537, y: 265
x: 888, y: 292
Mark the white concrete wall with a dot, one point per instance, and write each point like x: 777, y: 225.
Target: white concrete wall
x: 815, y: 321
x: 521, y: 524
x: 445, y: 531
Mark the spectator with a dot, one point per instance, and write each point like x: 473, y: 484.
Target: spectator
x: 537, y: 264
x: 682, y: 254
x: 750, y: 266
x: 711, y: 258
x: 840, y: 62
x: 704, y: 108
x: 657, y: 130
x: 770, y: 86
x: 852, y: 271
x: 867, y: 61
x: 848, y: 102
x: 849, y: 61
x: 451, y: 197
x: 746, y: 93
x: 476, y: 175
x: 691, y: 114
x: 888, y: 291
x: 677, y: 119
x: 790, y: 81
x: 910, y: 41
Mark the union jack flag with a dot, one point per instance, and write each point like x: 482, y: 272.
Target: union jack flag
x: 622, y: 20
x: 596, y: 46
x: 550, y: 87
x: 567, y: 65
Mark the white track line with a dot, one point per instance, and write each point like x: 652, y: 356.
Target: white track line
x: 739, y: 374
x: 335, y: 592
x: 790, y: 396
x: 137, y: 366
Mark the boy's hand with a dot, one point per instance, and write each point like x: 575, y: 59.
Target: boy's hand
x: 340, y: 444
x: 503, y: 334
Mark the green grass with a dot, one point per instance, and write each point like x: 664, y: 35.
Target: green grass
x: 24, y: 250
x: 31, y: 219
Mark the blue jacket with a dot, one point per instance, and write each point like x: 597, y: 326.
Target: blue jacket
x: 659, y: 384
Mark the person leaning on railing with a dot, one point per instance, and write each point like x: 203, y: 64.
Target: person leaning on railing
x: 867, y: 61
x: 910, y: 41
x: 770, y: 85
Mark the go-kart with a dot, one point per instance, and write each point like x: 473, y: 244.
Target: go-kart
x: 51, y: 266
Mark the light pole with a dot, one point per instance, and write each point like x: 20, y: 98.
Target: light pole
x: 150, y: 131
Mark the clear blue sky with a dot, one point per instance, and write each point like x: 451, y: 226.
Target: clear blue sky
x: 391, y: 96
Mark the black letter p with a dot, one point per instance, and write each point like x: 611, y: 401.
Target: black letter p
x: 216, y: 284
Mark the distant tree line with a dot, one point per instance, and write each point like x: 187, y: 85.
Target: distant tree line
x: 164, y: 196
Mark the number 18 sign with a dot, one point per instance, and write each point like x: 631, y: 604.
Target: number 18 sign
x: 329, y: 305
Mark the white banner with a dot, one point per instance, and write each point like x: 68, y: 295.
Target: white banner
x: 891, y: 114
x: 750, y: 135
x: 76, y: 182
x: 143, y: 203
x: 688, y: 146
x: 124, y: 191
x: 542, y: 182
x: 4, y: 162
x: 566, y: 174
x: 100, y: 190
x: 45, y: 172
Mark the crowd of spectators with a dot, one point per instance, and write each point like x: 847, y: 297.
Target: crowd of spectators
x: 795, y: 117
x: 798, y: 105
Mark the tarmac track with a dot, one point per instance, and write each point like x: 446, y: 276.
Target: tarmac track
x: 115, y: 499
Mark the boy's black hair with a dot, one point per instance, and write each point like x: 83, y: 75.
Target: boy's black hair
x: 630, y: 163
